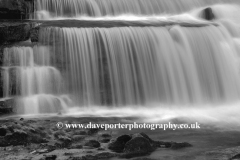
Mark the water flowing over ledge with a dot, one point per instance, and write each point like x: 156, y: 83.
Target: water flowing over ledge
x: 50, y: 9
x: 125, y: 58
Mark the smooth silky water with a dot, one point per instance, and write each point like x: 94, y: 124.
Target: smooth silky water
x: 157, y: 73
x: 123, y: 70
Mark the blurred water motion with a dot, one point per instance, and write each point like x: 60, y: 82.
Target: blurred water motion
x: 119, y: 58
x: 98, y: 8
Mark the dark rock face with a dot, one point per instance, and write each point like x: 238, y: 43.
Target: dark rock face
x: 14, y: 32
x: 18, y: 32
x: 34, y: 34
x: 119, y: 144
x: 16, y: 9
x: 140, y: 144
x: 208, y: 14
x: 7, y: 106
x: 64, y: 142
x: 3, y: 131
x: 50, y: 157
x: 104, y: 140
x: 137, y: 146
x: 236, y: 157
x: 92, y: 143
x: 3, y: 34
x: 18, y: 137
x: 142, y: 135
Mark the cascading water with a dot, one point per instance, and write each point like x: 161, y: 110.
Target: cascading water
x: 133, y: 66
x: 121, y: 66
x: 36, y: 81
x: 77, y: 8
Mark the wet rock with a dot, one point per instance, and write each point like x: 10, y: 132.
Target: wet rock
x: 80, y: 133
x: 77, y: 138
x: 92, y: 143
x: 143, y: 135
x: 208, y: 14
x: 34, y: 33
x: 104, y: 140
x: 7, y: 106
x: 3, y: 131
x: 3, y: 34
x: 19, y: 134
x: 58, y: 133
x: 100, y: 149
x: 105, y: 135
x: 137, y: 146
x: 93, y: 131
x: 119, y: 144
x: 50, y: 157
x: 236, y: 157
x: 18, y: 32
x: 19, y: 137
x: 180, y: 145
x: 14, y: 32
x: 37, y: 139
x: 32, y: 130
x: 89, y: 157
x: 12, y: 9
x: 41, y: 151
x: 76, y: 146
x: 11, y: 128
x: 21, y: 119
x: 105, y: 155
x: 65, y: 142
x: 87, y: 147
x: 68, y: 154
x: 50, y: 146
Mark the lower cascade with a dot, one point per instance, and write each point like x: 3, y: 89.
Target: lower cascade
x: 27, y: 73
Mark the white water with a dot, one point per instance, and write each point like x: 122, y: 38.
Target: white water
x: 28, y: 74
x: 155, y: 72
x: 148, y: 65
x: 98, y: 8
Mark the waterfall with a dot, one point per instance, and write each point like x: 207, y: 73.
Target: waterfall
x: 126, y: 53
x: 96, y: 8
x: 28, y: 74
x: 144, y: 65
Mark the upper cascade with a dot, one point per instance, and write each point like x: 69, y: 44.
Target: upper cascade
x: 50, y: 9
